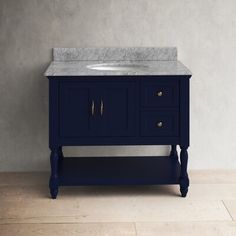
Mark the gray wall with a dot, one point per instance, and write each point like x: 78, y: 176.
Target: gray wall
x: 204, y: 32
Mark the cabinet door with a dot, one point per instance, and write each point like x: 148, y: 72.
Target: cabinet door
x: 97, y: 109
x: 75, y: 110
x: 117, y: 109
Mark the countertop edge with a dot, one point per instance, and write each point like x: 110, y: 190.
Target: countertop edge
x: 50, y: 72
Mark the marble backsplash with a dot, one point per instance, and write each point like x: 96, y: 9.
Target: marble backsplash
x: 115, y: 54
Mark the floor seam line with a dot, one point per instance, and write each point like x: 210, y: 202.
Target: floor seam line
x: 116, y: 222
x: 227, y: 210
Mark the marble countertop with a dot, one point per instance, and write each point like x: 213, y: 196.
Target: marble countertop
x: 79, y: 68
x: 153, y: 61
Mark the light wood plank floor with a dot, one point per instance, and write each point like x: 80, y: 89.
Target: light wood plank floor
x: 209, y: 209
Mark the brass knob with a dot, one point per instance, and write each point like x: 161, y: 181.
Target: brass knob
x: 159, y: 124
x: 159, y: 94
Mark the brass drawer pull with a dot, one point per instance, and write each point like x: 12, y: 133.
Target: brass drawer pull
x: 159, y: 124
x: 159, y: 93
x: 101, y: 107
x: 92, y: 108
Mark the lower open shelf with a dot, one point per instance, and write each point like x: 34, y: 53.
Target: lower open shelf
x: 118, y: 171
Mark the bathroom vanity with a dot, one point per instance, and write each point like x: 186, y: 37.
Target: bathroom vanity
x: 118, y: 96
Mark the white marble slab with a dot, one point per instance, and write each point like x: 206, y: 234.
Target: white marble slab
x: 115, y: 54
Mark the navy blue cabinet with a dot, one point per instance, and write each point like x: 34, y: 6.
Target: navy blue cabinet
x: 119, y: 110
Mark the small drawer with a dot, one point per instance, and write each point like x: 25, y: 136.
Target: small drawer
x: 159, y: 123
x: 160, y: 94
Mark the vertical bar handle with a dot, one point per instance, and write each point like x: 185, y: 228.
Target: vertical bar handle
x: 101, y: 107
x: 92, y: 108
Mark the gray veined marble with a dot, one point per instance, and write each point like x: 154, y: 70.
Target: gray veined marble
x: 115, y: 54
x: 115, y: 61
x: 81, y: 68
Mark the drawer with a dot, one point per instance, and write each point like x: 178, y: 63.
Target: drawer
x: 160, y: 93
x: 159, y: 123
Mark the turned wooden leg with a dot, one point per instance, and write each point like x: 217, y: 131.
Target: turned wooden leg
x: 53, y: 182
x: 61, y: 156
x: 173, y: 152
x: 184, y: 180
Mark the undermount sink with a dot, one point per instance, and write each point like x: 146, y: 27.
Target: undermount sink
x: 118, y: 67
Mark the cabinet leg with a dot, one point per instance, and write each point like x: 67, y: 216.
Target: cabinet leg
x: 184, y: 180
x: 60, y: 152
x: 53, y: 182
x: 173, y: 152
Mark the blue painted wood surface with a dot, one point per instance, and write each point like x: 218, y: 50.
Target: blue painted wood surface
x: 119, y: 110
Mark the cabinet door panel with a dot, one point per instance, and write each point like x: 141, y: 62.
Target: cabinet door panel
x: 75, y: 109
x: 117, y: 109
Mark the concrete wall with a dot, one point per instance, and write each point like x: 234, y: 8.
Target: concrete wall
x: 204, y: 32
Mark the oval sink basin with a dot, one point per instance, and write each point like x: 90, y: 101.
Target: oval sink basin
x: 117, y: 67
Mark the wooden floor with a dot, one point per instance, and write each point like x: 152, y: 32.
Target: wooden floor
x: 209, y: 209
